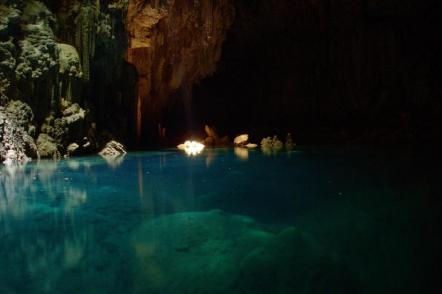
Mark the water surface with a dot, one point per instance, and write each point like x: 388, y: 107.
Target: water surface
x: 226, y: 221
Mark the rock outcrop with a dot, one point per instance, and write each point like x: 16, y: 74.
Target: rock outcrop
x: 113, y: 149
x: 16, y: 146
x: 47, y: 147
x: 271, y: 145
x: 47, y: 56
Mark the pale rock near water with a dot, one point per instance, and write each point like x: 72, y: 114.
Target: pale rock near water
x: 241, y: 140
x: 113, y: 149
x: 272, y: 143
x: 72, y: 148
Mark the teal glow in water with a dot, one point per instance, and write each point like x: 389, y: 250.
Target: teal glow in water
x: 222, y: 222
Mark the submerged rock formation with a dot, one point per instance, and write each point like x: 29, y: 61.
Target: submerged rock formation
x: 173, y: 45
x: 216, y: 252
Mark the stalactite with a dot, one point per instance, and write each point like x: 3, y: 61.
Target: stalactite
x: 85, y: 36
x: 69, y: 71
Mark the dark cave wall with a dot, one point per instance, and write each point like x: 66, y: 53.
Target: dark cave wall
x: 328, y: 71
x: 172, y: 44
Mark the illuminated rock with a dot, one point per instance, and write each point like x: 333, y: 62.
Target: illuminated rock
x: 241, y: 140
x: 113, y: 149
x: 252, y: 145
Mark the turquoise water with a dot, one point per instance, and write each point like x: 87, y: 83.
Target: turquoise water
x: 226, y: 221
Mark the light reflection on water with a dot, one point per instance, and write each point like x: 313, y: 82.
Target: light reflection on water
x: 107, y: 225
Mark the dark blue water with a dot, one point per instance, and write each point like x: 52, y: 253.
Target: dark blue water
x: 310, y: 221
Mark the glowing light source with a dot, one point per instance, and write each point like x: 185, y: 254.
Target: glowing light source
x: 191, y: 147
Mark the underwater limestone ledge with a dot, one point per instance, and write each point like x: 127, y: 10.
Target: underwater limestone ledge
x: 173, y: 44
x: 198, y: 252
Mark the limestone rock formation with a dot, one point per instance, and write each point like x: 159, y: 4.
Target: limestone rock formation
x: 241, y: 140
x: 173, y: 44
x: 47, y: 147
x: 22, y: 114
x: 47, y: 54
x: 16, y: 146
x: 38, y: 50
x: 270, y: 145
x: 113, y: 149
x: 9, y: 21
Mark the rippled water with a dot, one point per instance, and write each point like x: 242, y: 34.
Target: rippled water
x: 226, y: 221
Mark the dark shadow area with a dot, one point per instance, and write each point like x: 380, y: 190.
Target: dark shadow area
x: 329, y: 72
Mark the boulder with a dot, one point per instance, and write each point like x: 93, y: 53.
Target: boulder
x: 271, y: 145
x: 113, y: 149
x: 72, y: 148
x: 252, y: 145
x: 241, y: 140
x: 266, y: 142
